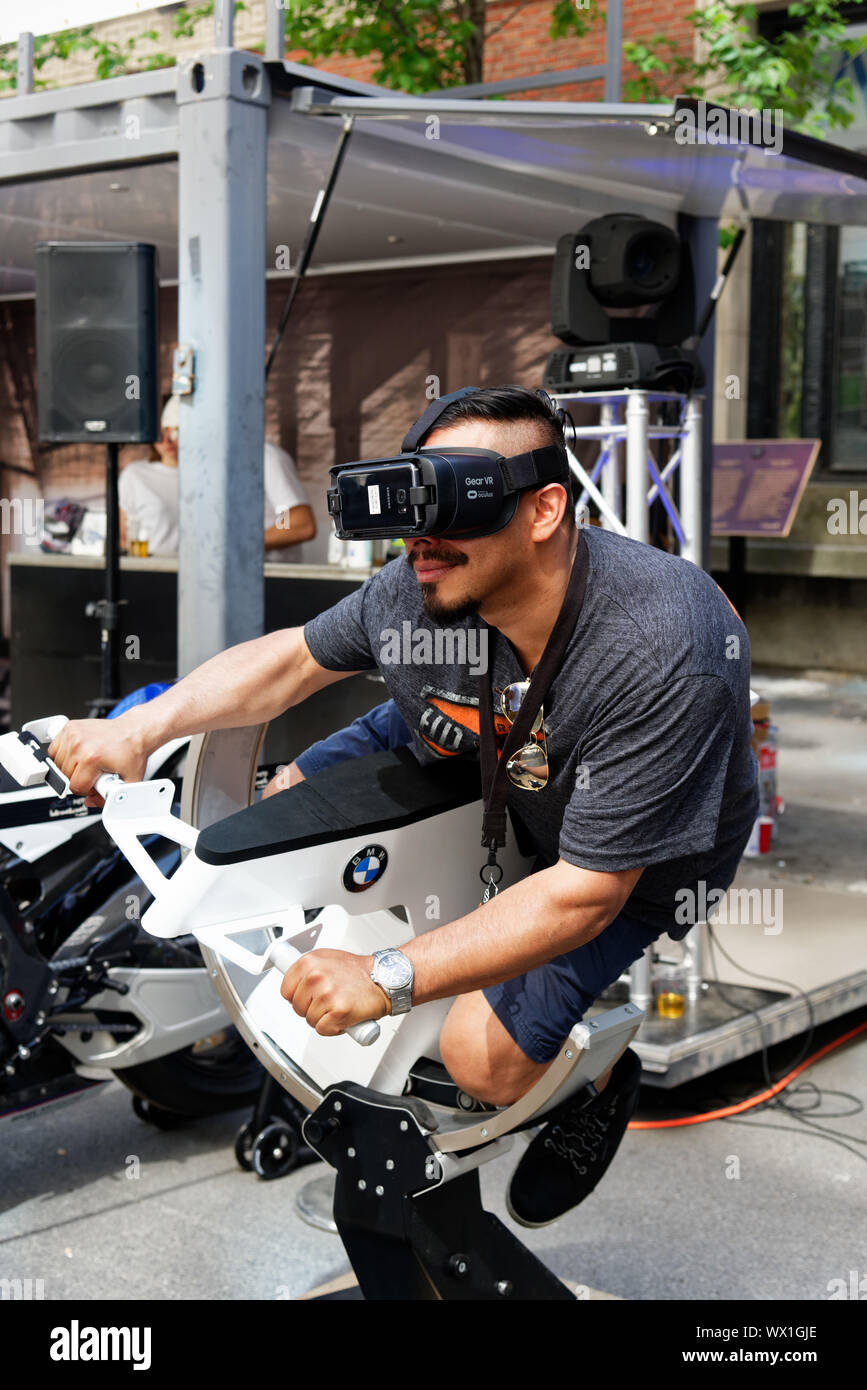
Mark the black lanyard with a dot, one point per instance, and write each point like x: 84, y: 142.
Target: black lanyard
x: 493, y: 769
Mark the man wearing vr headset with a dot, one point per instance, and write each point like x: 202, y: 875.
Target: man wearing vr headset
x: 636, y: 780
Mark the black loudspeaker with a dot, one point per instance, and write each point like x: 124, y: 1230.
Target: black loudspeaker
x: 96, y: 342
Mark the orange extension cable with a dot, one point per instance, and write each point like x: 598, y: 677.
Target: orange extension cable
x: 753, y: 1100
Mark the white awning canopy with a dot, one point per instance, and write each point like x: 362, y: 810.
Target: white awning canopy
x: 425, y: 181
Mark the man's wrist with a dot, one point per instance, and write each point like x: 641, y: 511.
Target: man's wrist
x: 143, y: 729
x: 392, y: 969
x: 369, y: 963
x: 385, y: 994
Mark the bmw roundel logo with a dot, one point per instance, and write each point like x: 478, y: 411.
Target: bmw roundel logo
x: 365, y: 868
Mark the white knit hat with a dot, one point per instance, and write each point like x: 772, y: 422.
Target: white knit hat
x: 171, y: 417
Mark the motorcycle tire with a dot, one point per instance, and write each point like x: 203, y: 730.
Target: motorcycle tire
x: 210, y: 1078
x: 156, y: 1115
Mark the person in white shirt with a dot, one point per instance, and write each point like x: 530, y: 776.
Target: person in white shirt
x: 289, y: 519
x: 147, y: 494
x: 148, y: 497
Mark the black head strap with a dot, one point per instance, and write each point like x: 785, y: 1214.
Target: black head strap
x: 535, y: 468
x: 532, y: 469
x: 425, y: 423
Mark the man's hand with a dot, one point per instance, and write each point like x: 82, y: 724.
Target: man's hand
x: 333, y: 989
x: 85, y: 748
x: 288, y: 776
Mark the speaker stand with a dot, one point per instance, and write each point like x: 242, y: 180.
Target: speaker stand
x: 107, y: 609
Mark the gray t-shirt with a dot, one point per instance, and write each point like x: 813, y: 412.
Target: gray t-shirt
x: 648, y: 719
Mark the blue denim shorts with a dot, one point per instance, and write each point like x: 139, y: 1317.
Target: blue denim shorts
x: 538, y: 1010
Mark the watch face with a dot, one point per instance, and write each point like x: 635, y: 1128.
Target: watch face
x: 393, y: 970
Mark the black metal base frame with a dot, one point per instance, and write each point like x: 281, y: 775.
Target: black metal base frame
x: 408, y: 1234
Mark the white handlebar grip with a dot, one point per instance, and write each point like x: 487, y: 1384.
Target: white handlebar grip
x: 364, y: 1033
x: 104, y: 783
x: 45, y: 730
x: 283, y: 956
x: 25, y: 758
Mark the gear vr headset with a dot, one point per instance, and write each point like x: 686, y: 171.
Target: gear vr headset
x: 433, y: 491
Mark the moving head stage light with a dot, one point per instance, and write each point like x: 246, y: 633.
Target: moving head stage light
x: 616, y: 262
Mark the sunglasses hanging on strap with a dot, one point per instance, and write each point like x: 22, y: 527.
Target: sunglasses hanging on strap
x: 519, y: 758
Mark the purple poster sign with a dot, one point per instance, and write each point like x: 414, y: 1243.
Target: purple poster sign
x: 758, y: 483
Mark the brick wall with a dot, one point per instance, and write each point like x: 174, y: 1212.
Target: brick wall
x: 523, y: 45
x: 519, y: 42
x: 355, y: 363
x: 350, y: 375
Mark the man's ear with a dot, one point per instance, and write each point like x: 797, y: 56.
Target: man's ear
x: 549, y: 505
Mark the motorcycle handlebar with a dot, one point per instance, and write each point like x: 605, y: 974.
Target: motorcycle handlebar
x: 283, y: 955
x: 105, y: 782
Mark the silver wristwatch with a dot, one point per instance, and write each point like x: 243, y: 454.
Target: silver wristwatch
x: 393, y: 972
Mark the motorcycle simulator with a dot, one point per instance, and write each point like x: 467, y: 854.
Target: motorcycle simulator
x: 352, y: 860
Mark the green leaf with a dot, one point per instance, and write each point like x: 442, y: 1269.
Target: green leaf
x: 727, y: 236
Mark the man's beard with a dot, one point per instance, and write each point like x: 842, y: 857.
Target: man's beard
x: 436, y: 608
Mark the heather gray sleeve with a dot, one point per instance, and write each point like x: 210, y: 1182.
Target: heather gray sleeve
x: 651, y: 774
x: 345, y: 637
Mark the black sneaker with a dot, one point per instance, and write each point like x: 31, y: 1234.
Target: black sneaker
x: 568, y: 1156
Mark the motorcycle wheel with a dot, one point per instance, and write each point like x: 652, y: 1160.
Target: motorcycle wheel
x: 216, y: 1075
x: 156, y: 1115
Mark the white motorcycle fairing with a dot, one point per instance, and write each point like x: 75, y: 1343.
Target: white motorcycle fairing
x: 365, y: 855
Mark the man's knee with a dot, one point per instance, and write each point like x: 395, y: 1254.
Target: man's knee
x: 480, y: 1055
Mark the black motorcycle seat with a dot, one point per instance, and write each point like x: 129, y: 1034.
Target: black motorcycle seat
x: 382, y: 791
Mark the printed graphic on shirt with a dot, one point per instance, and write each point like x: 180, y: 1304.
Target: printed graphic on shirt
x: 449, y: 723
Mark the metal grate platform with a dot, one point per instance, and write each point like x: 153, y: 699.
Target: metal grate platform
x: 711, y: 1032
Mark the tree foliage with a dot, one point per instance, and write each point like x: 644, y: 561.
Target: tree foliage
x: 415, y: 45
x: 798, y: 72
x: 423, y: 45
x: 111, y: 58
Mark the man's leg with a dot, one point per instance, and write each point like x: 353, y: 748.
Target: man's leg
x: 497, y: 1042
x: 481, y: 1057
x: 378, y: 729
x: 483, y: 1060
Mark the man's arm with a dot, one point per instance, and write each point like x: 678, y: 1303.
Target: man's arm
x: 292, y: 527
x: 247, y: 684
x: 526, y: 925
